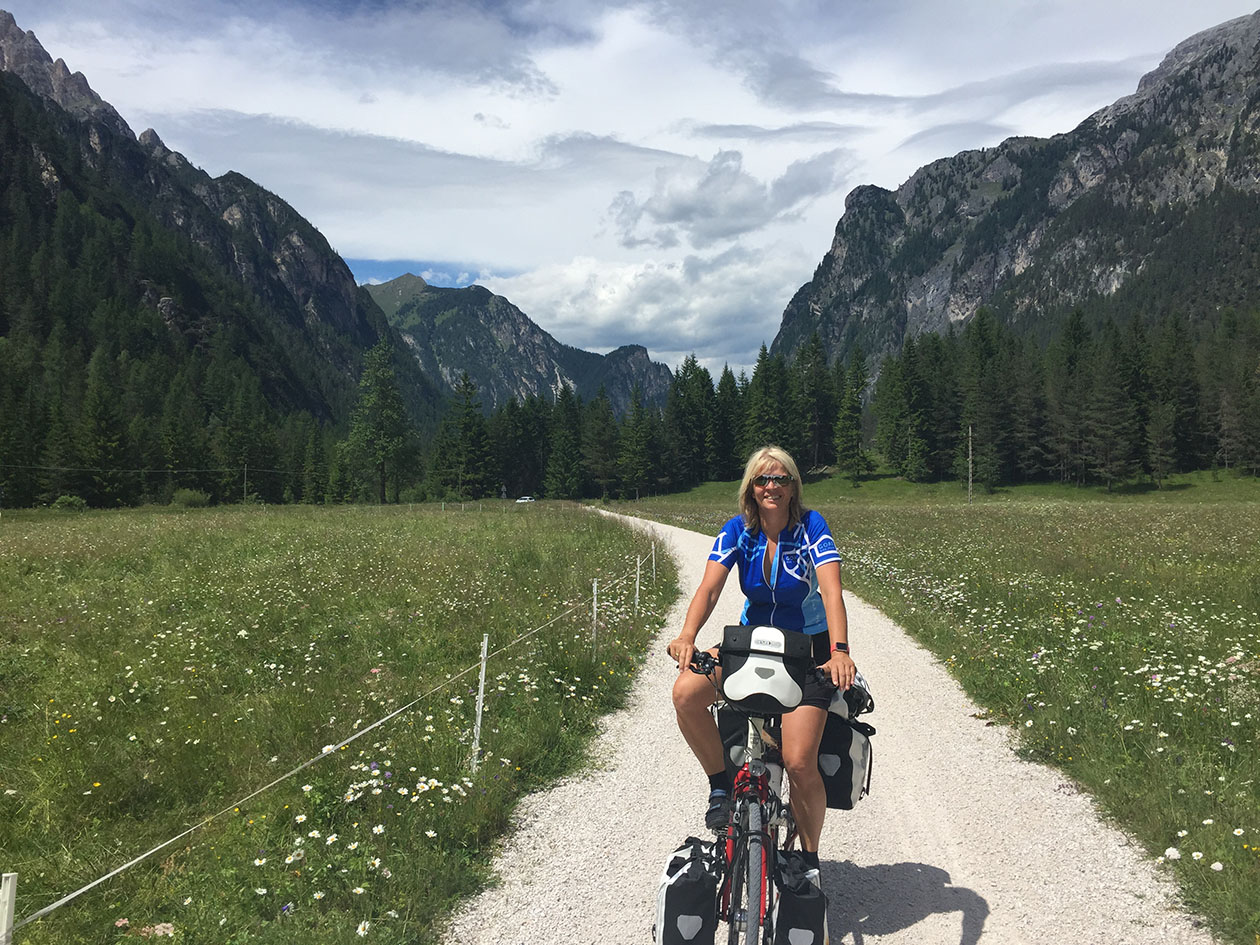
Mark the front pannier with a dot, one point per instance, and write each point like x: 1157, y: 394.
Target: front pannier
x: 764, y: 669
x: 844, y: 760
x: 686, y: 900
x: 801, y: 910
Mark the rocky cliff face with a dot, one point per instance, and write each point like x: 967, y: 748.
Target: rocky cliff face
x: 505, y: 353
x: 22, y: 55
x: 1035, y: 227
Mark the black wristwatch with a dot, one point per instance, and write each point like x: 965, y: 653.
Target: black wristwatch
x: 839, y: 648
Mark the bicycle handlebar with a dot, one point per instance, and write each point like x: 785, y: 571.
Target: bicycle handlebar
x: 703, y: 664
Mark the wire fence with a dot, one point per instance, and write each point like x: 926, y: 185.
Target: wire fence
x: 8, y: 881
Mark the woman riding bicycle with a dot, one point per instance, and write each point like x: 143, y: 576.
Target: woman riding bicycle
x: 789, y: 571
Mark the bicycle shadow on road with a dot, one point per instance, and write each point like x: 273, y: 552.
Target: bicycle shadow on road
x: 885, y: 898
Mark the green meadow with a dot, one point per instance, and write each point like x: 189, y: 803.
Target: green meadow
x: 1118, y: 635
x: 157, y: 666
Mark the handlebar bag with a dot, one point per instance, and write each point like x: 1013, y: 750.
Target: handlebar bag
x: 764, y: 669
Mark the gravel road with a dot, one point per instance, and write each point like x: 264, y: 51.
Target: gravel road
x: 959, y: 842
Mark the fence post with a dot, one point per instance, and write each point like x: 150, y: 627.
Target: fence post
x: 638, y: 566
x: 594, y: 613
x: 8, y: 899
x: 481, y: 701
x: 653, y: 564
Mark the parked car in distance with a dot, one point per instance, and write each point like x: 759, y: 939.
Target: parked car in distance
x: 525, y: 498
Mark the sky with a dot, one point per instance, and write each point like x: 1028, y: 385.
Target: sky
x: 656, y: 172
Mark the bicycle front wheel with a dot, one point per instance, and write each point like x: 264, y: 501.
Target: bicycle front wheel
x: 750, y: 904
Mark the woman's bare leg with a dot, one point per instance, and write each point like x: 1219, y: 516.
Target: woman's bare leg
x: 693, y: 694
x: 802, y: 731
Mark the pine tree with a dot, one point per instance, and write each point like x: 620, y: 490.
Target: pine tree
x: 379, y: 428
x: 600, y: 446
x: 689, y: 411
x: 565, y: 475
x: 314, y: 468
x: 463, y: 463
x: 727, y: 421
x: 1161, y: 441
x: 1065, y: 399
x: 819, y: 405
x: 1111, y: 430
x: 635, y: 460
x: 100, y: 442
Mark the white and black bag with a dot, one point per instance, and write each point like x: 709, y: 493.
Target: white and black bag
x: 764, y: 669
x: 686, y: 901
x: 800, y: 911
x: 844, y: 754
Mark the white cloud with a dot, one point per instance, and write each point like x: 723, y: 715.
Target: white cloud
x: 721, y: 307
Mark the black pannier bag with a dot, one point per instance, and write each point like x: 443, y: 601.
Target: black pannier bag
x: 801, y: 911
x: 765, y: 668
x: 844, y: 760
x: 686, y: 900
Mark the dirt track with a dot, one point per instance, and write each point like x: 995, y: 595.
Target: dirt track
x: 960, y: 841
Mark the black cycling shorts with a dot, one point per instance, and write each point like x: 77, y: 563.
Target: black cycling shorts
x: 818, y: 692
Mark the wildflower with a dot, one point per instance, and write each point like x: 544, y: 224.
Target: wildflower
x: 300, y: 818
x: 188, y: 901
x: 362, y: 930
x: 358, y: 890
x: 332, y: 838
x: 430, y: 834
x: 1182, y: 833
x: 319, y: 894
x: 1238, y: 832
x: 379, y: 828
x: 1197, y: 855
x: 262, y: 891
x: 1208, y: 822
x: 121, y: 924
x: 1172, y: 853
x: 260, y: 861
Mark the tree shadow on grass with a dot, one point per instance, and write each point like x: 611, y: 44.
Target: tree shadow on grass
x: 886, y: 898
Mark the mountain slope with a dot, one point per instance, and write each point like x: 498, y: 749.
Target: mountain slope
x: 451, y: 331
x: 242, y: 266
x: 1148, y: 206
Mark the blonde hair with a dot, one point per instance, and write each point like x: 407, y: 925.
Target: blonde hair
x: 759, y: 460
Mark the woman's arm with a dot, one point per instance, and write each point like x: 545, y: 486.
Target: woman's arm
x: 840, y: 666
x: 683, y: 646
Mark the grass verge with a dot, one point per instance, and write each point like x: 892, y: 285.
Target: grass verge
x: 155, y: 666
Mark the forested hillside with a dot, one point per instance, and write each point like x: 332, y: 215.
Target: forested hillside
x: 132, y: 361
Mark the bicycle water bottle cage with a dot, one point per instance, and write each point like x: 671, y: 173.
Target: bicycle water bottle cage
x: 764, y: 669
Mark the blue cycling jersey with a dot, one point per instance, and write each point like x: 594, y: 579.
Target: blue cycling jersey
x: 790, y: 600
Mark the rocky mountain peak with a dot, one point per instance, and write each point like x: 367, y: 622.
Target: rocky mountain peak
x: 1034, y: 227
x: 22, y: 55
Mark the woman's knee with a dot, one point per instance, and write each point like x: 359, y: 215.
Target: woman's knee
x: 690, y: 693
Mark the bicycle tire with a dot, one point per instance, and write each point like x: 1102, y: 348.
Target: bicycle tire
x: 749, y: 907
x: 758, y: 907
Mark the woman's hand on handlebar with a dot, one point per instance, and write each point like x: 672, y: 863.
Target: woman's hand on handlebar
x: 681, y: 650
x: 839, y: 670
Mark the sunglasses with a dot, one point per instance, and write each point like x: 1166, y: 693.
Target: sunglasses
x: 768, y: 480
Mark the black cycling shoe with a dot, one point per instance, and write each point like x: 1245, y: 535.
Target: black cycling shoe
x: 719, y: 813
